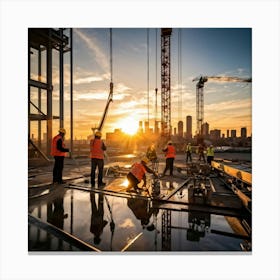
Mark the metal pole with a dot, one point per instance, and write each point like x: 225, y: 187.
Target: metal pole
x: 61, y: 82
x: 49, y: 94
x: 39, y: 96
x: 71, y: 90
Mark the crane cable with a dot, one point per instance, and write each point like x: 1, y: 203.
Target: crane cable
x: 179, y: 76
x: 148, y: 76
x: 156, y: 89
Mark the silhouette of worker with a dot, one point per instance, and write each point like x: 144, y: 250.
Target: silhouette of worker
x: 97, y: 217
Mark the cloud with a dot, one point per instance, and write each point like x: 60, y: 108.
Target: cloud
x: 87, y: 80
x: 97, y: 53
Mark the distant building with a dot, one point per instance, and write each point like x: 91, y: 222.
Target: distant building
x: 147, y: 129
x: 215, y: 134
x: 180, y: 128
x: 174, y: 131
x: 243, y: 132
x: 227, y: 133
x: 205, y: 129
x: 140, y: 128
x: 189, y: 127
x: 233, y: 133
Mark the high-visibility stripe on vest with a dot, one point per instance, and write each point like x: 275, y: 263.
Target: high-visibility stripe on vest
x: 171, y: 152
x: 210, y: 152
x: 138, y: 170
x: 54, y: 150
x: 96, y: 149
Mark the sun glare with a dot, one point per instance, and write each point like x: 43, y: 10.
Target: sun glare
x: 129, y: 126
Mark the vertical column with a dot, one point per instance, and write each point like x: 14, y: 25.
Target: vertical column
x: 49, y: 94
x: 71, y: 89
x: 39, y: 95
x: 61, y: 81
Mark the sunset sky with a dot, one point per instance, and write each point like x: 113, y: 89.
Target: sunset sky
x: 204, y: 51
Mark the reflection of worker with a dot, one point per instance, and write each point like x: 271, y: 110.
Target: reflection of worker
x: 141, y: 211
x: 97, y: 212
x: 138, y: 173
x: 201, y: 153
x: 170, y: 154
x: 58, y: 151
x: 188, y: 151
x: 97, y: 148
x: 210, y: 154
x: 152, y: 156
x: 55, y: 212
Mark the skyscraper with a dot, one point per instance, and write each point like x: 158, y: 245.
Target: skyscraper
x: 243, y: 132
x: 205, y: 129
x: 233, y: 133
x: 189, y: 127
x: 180, y: 128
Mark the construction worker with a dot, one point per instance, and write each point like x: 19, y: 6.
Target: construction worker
x: 97, y: 148
x: 170, y: 154
x: 210, y: 154
x: 58, y: 151
x: 188, y: 151
x: 138, y: 173
x: 152, y: 156
x: 201, y: 153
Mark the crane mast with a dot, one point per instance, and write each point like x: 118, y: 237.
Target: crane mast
x: 165, y: 84
x: 200, y: 96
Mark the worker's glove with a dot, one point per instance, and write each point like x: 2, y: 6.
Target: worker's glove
x: 70, y: 154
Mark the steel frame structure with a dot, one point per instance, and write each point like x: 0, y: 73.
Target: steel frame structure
x: 44, y: 41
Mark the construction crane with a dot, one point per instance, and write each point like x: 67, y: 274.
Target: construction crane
x: 200, y: 95
x: 165, y: 84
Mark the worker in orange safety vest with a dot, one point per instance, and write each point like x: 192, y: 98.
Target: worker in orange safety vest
x: 170, y: 154
x: 97, y: 148
x: 138, y: 173
x: 58, y: 151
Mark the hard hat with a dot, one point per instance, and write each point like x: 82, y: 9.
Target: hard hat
x: 98, y: 133
x: 145, y: 159
x: 189, y: 143
x: 169, y: 142
x: 62, y: 130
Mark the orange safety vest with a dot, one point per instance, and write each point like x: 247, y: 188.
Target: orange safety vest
x: 138, y: 170
x: 96, y: 149
x: 171, y: 152
x: 54, y: 150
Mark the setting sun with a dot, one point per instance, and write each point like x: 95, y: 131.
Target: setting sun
x: 128, y: 125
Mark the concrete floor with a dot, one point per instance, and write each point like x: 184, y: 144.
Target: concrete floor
x: 76, y: 217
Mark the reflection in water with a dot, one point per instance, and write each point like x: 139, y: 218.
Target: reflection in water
x: 199, y: 223
x: 142, y: 211
x: 97, y: 217
x: 55, y: 211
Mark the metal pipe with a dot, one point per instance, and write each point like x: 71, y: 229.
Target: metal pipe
x: 61, y: 82
x: 71, y: 90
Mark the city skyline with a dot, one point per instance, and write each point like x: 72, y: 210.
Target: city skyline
x: 204, y: 51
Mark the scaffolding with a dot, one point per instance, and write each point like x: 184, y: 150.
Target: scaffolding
x: 42, y: 43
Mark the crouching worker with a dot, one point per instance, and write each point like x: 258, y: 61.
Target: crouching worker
x: 138, y: 173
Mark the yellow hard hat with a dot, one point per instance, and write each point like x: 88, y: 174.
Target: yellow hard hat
x: 98, y: 133
x: 169, y: 142
x: 62, y: 130
x: 145, y: 159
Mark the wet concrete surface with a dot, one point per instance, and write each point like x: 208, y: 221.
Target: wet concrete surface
x: 113, y: 220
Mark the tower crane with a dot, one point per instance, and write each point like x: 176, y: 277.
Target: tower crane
x: 200, y: 94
